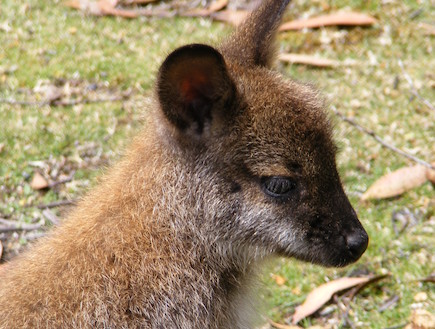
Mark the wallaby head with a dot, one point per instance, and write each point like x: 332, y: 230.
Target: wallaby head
x: 261, y: 147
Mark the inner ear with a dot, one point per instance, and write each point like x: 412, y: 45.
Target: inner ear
x: 194, y: 87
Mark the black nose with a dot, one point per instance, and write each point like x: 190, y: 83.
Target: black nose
x: 357, y: 243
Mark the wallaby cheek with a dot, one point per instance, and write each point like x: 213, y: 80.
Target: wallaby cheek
x: 264, y: 229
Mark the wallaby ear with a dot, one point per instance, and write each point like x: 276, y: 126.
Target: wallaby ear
x: 253, y: 43
x: 194, y: 87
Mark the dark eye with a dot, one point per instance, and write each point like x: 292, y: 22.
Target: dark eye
x: 278, y: 186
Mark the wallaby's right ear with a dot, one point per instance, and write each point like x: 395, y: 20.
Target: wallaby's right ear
x: 194, y: 88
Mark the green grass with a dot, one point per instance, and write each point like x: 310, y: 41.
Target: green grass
x: 44, y: 42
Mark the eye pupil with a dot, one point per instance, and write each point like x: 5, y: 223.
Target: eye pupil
x: 278, y: 186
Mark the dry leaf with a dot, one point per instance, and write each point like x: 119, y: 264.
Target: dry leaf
x: 320, y: 295
x: 279, y: 279
x: 101, y: 8
x: 201, y: 12
x: 38, y: 182
x: 87, y: 6
x: 122, y: 13
x: 296, y: 291
x: 340, y: 18
x: 108, y: 8
x: 76, y: 4
x: 50, y: 93
x: 72, y: 30
x: 138, y: 2
x: 430, y: 173
x: 218, y: 5
x: 361, y: 286
x: 282, y: 326
x: 396, y: 183
x: 429, y: 28
x: 421, y: 319
x: 430, y: 278
x: 420, y: 297
x: 308, y: 60
x: 234, y: 17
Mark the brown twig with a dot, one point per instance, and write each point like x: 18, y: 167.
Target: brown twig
x: 388, y: 303
x: 344, y: 308
x: 380, y: 140
x: 277, y: 325
x: 62, y: 102
x: 34, y: 235
x: 18, y: 102
x: 430, y: 278
x: 55, y: 204
x: 50, y: 216
x: 413, y: 88
x: 156, y: 13
x: 13, y: 226
x: 398, y: 326
x: 89, y: 101
x: 62, y: 181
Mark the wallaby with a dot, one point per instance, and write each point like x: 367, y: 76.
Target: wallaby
x: 235, y: 165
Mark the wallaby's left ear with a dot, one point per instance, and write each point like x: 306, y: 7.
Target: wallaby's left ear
x: 194, y: 87
x: 253, y: 43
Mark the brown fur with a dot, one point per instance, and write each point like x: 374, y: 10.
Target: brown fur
x: 172, y: 234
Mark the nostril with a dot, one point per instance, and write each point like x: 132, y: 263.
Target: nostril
x: 357, y: 243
